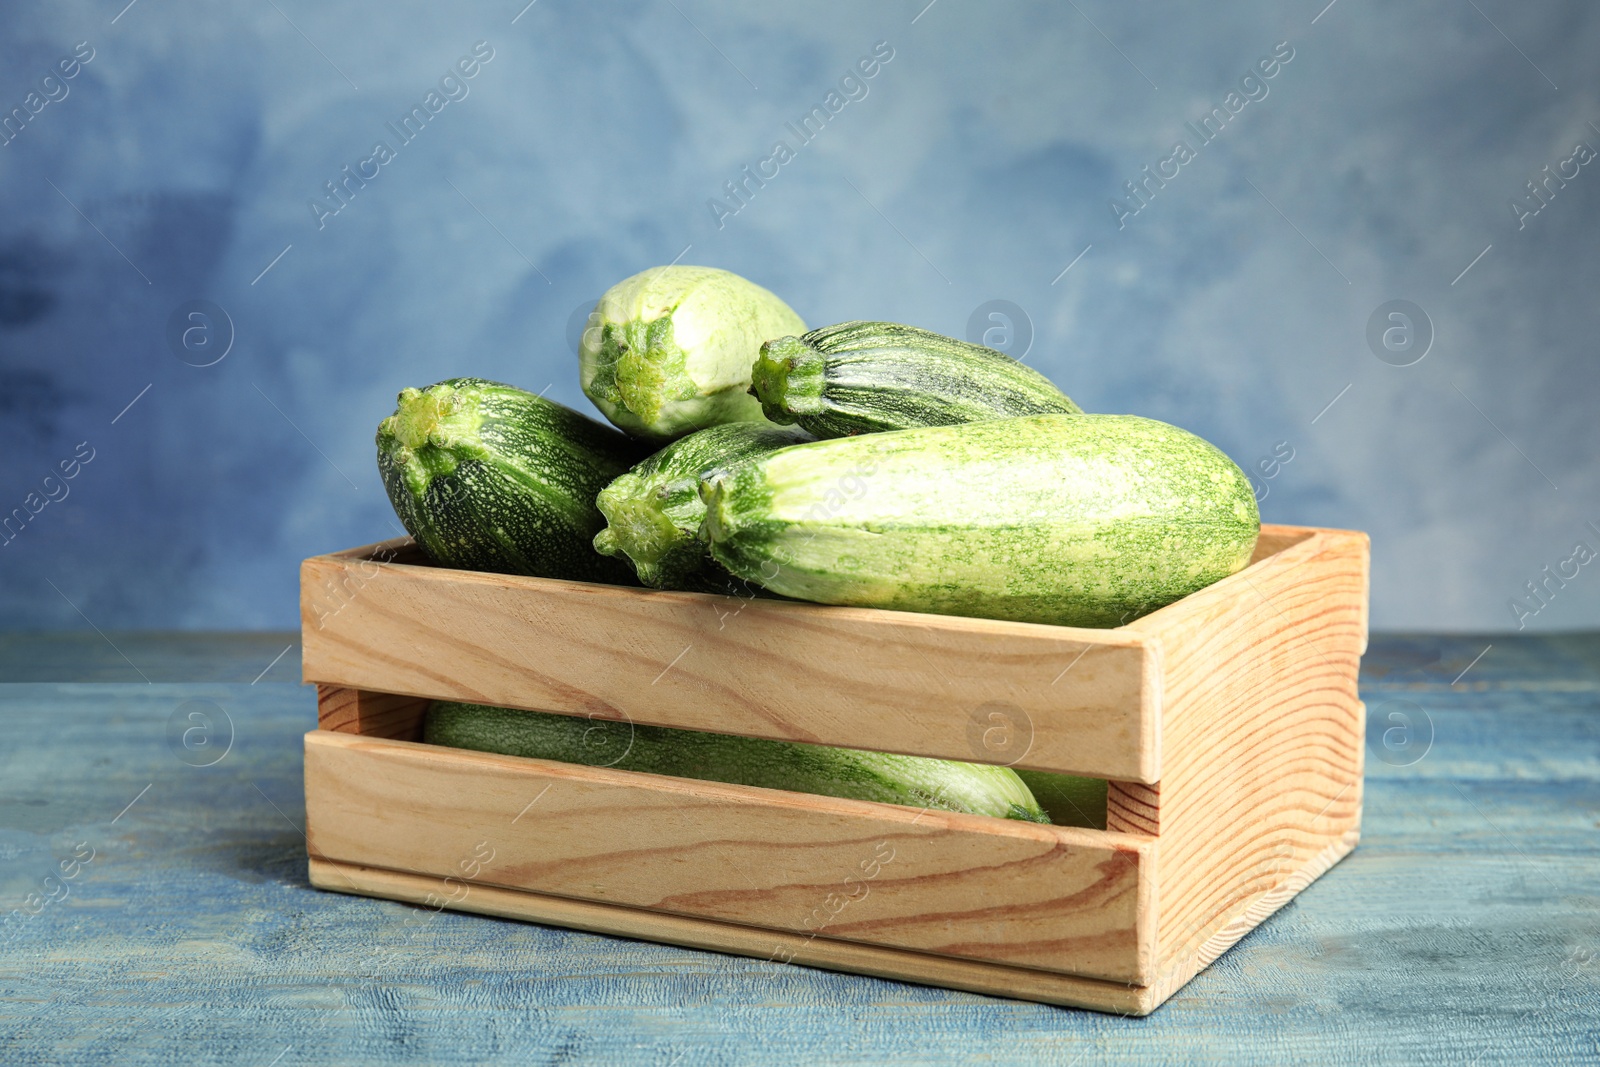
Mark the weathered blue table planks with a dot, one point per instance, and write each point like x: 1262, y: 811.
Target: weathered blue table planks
x: 1465, y: 929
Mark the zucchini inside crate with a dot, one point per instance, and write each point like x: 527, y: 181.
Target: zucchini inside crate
x: 1227, y: 725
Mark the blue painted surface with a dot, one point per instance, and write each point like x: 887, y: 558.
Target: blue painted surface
x: 1465, y: 928
x: 979, y: 164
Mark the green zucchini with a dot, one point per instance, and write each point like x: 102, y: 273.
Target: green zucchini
x: 490, y: 478
x: 1077, y: 520
x: 668, y: 351
x: 1068, y: 799
x: 654, y: 511
x: 915, y: 781
x: 868, y: 377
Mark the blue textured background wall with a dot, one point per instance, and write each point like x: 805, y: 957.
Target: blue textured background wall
x: 183, y: 158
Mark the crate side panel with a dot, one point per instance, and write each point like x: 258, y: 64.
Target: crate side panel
x: 1048, y: 698
x: 1263, y: 736
x: 1241, y: 921
x: 1052, y: 898
x: 774, y: 946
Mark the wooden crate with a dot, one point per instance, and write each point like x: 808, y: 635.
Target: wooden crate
x: 1227, y: 724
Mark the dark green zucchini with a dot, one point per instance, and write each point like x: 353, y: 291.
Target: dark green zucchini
x: 654, y: 511
x: 490, y: 478
x: 915, y: 781
x: 1068, y: 799
x: 868, y: 377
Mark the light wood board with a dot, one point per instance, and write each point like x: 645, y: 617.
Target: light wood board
x: 1048, y: 897
x: 1047, y: 697
x: 1263, y: 734
x: 779, y: 948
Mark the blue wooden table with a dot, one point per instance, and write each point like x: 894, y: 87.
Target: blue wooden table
x: 159, y: 911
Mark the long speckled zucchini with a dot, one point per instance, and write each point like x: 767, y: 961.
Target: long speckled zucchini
x: 669, y: 350
x: 488, y: 477
x: 1079, y: 520
x: 868, y: 377
x: 916, y: 781
x: 654, y: 511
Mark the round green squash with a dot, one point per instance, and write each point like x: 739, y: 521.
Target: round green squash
x: 669, y: 350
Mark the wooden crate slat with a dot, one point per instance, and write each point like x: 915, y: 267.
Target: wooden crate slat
x: 1049, y: 898
x: 1045, y: 697
x: 777, y: 947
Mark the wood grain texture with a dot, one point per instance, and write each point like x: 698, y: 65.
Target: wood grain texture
x: 1258, y: 911
x: 1046, y: 697
x: 1262, y: 734
x: 1134, y: 808
x: 358, y: 711
x: 777, y: 948
x: 783, y: 947
x: 1053, y: 898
